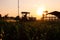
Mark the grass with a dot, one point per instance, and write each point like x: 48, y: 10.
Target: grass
x: 37, y: 30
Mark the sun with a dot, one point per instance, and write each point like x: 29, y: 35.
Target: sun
x: 40, y: 11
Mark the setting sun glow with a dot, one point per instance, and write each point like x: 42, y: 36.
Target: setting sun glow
x: 40, y: 10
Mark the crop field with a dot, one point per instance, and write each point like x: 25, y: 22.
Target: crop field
x: 36, y: 30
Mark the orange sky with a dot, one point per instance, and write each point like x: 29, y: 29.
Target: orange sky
x: 10, y: 6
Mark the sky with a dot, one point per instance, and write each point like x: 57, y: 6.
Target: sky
x: 10, y: 6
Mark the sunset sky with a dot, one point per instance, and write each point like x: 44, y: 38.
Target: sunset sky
x: 10, y: 6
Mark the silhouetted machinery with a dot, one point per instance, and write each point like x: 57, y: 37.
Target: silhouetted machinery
x: 26, y: 18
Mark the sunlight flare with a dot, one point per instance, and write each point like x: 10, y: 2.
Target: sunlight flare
x: 40, y: 10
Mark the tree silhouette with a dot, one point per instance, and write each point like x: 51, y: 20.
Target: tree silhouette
x: 6, y: 16
x: 0, y: 16
x: 56, y: 13
x: 17, y: 18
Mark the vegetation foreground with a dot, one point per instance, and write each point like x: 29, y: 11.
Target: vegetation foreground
x: 38, y: 30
